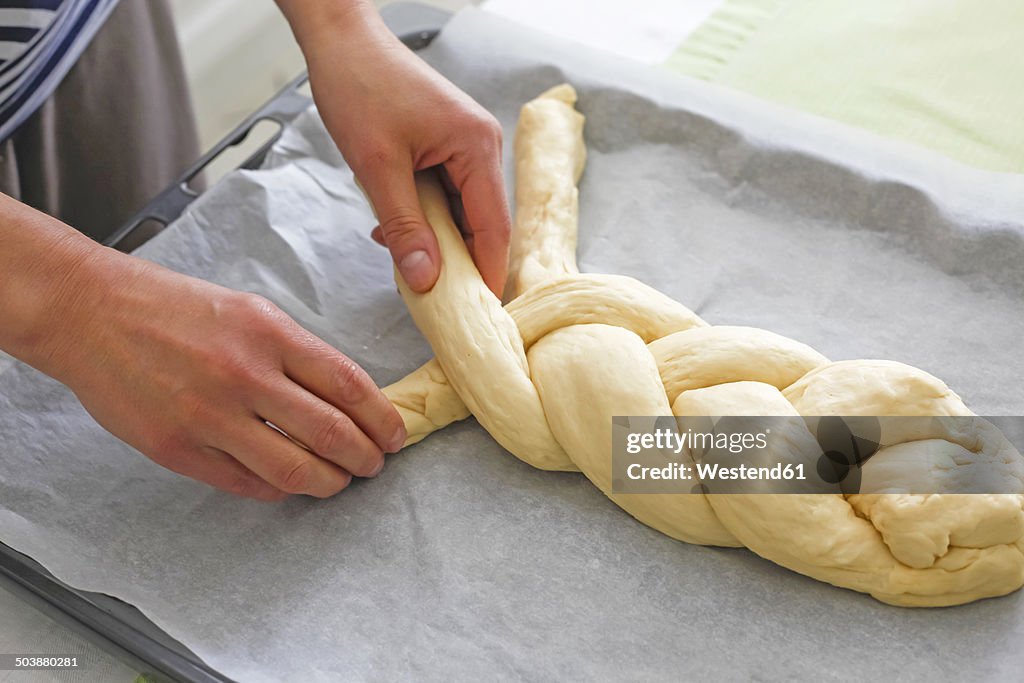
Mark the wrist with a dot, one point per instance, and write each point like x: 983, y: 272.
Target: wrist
x: 53, y: 295
x: 82, y: 304
x: 39, y: 255
x: 322, y: 23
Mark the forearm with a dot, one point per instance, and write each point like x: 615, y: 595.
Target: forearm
x: 44, y: 265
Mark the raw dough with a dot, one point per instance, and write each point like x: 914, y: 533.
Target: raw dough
x: 545, y: 374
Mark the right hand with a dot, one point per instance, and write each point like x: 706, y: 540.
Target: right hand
x: 392, y: 115
x: 190, y: 373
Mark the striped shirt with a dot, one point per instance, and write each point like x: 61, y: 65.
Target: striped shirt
x: 40, y: 40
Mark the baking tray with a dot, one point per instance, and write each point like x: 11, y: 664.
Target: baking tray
x: 111, y: 623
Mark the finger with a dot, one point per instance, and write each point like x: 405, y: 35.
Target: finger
x: 280, y: 462
x: 455, y: 205
x: 486, y: 217
x: 392, y: 191
x: 377, y: 235
x: 221, y: 471
x: 321, y: 428
x: 329, y: 374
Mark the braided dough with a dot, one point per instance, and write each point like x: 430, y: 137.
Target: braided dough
x: 545, y: 374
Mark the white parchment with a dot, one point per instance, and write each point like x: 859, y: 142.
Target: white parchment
x: 460, y: 562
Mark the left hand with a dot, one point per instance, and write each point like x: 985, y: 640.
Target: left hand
x: 392, y: 115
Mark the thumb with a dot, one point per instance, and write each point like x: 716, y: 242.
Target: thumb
x: 404, y: 227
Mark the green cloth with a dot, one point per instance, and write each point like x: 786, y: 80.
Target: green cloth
x: 944, y: 74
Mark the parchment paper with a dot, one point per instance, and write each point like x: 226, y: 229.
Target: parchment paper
x: 460, y: 562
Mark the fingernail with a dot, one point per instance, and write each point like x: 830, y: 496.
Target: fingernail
x: 417, y: 270
x: 379, y: 468
x: 397, y: 440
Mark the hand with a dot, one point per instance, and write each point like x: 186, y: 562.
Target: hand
x: 391, y: 115
x: 190, y: 373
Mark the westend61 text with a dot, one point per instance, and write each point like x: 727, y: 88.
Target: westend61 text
x: 708, y: 472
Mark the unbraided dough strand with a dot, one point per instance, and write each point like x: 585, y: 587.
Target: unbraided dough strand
x: 550, y: 156
x: 545, y: 374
